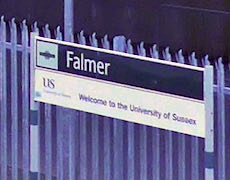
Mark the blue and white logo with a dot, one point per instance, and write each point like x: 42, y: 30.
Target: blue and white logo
x: 47, y: 55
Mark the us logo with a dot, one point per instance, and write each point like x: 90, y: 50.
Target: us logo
x: 47, y: 55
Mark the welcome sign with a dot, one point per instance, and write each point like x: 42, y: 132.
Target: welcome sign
x: 118, y: 85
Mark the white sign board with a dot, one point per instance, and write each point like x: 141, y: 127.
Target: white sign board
x: 137, y: 89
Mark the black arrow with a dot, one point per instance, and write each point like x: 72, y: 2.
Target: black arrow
x: 47, y: 55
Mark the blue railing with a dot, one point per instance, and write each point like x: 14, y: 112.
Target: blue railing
x: 78, y: 145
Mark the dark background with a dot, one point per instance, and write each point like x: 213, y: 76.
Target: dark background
x: 194, y: 25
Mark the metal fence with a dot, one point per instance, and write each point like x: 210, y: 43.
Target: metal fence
x: 78, y: 145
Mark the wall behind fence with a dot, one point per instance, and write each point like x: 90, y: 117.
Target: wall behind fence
x: 78, y: 145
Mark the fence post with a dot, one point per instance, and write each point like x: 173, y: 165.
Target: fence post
x: 71, y: 114
x: 209, y: 137
x: 3, y: 98
x: 48, y: 126
x: 25, y: 99
x: 68, y: 20
x: 221, y: 136
x: 14, y: 99
x: 34, y: 125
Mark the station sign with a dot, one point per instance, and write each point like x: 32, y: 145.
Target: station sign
x: 127, y: 87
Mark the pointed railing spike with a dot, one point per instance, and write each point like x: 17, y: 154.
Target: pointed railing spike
x: 93, y: 40
x: 58, y: 34
x: 105, y: 42
x: 154, y: 52
x: 35, y: 27
x: 2, y: 18
x: 192, y: 59
x: 141, y: 50
x: 180, y: 57
x: 166, y: 54
x: 81, y: 38
x: 129, y: 47
x: 205, y: 60
x: 46, y: 31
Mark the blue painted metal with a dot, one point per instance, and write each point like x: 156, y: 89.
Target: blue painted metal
x: 34, y: 117
x: 25, y: 100
x: 154, y: 52
x: 118, y: 131
x: 107, y: 147
x: 130, y: 134
x: 143, y: 133
x: 81, y: 38
x: 68, y: 20
x: 166, y: 54
x: 209, y: 139
x: 180, y: 137
x: 95, y: 130
x: 83, y: 147
x: 221, y: 121
x: 156, y: 160
x: 105, y: 42
x: 141, y: 50
x: 3, y: 98
x: 180, y: 57
x: 192, y: 59
x: 14, y: 99
x: 195, y: 141
x: 59, y: 131
x: 48, y: 126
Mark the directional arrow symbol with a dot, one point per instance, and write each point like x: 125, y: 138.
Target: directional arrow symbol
x: 47, y: 55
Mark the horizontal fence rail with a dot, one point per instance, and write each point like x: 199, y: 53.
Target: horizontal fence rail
x: 79, y: 145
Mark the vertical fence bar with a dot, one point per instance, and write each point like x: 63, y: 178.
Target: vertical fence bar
x: 181, y: 137
x: 68, y: 36
x: 34, y: 117
x: 48, y: 142
x: 169, y: 155
x: 169, y: 134
x: 83, y: 147
x: 60, y: 139
x: 221, y: 121
x: 68, y: 20
x: 48, y: 127
x: 83, y: 131
x: 209, y: 136
x: 143, y: 133
x: 195, y: 140
x: 3, y: 97
x: 107, y: 148
x: 25, y: 100
x: 156, y: 155
x: 95, y: 147
x: 156, y: 137
x: 72, y: 143
x: 95, y: 130
x: 59, y: 131
x: 106, y: 132
x: 143, y: 152
x: 118, y: 45
x: 14, y: 99
x: 131, y: 147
